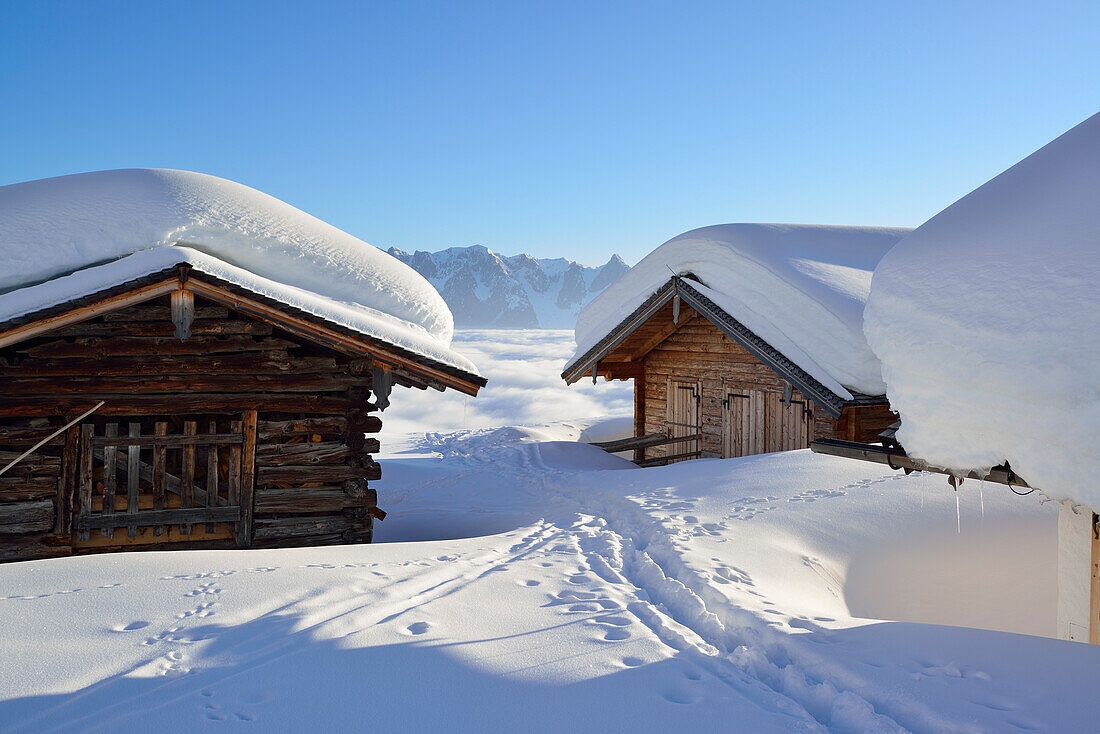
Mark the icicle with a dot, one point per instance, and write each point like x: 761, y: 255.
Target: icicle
x: 981, y: 495
x: 958, y: 514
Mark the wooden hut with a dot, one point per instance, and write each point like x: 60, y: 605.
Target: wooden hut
x: 228, y: 410
x: 706, y: 385
x: 228, y: 419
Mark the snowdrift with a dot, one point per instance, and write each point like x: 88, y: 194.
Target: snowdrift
x: 801, y: 288
x: 987, y: 322
x: 110, y: 225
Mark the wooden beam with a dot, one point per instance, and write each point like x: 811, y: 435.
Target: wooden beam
x: 83, y: 313
x: 248, y: 479
x: 897, y: 460
x: 158, y: 517
x: 183, y: 313
x: 686, y: 317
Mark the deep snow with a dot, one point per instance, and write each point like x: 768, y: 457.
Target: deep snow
x: 578, y: 593
x: 52, y: 227
x: 525, y: 582
x: 987, y: 322
x: 801, y: 288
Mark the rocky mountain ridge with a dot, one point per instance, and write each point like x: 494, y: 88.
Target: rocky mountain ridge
x: 486, y: 290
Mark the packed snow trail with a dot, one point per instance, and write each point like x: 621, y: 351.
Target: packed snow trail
x: 576, y: 595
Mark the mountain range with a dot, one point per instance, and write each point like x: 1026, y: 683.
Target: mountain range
x: 485, y: 290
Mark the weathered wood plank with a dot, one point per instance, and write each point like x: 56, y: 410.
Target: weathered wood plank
x: 324, y: 452
x: 278, y: 363
x: 165, y: 440
x: 212, y: 474
x: 32, y: 464
x: 133, y: 456
x: 67, y: 483
x: 13, y: 489
x: 187, y: 473
x: 248, y: 478
x: 99, y: 348
x: 127, y: 404
x: 116, y: 329
x: 325, y: 426
x: 110, y: 475
x: 26, y: 517
x: 267, y: 475
x: 86, y: 432
x: 30, y: 547
x: 311, y: 499
x: 182, y: 517
x: 161, y: 312
x: 160, y: 455
x: 298, y: 527
x: 278, y: 383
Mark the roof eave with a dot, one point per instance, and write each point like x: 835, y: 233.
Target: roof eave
x: 758, y: 347
x: 182, y: 276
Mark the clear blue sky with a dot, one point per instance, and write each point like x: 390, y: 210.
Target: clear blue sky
x: 556, y: 128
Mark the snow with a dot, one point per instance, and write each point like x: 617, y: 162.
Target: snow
x: 987, y: 322
x: 801, y: 288
x: 526, y: 582
x: 523, y: 368
x: 53, y: 227
x: 538, y: 585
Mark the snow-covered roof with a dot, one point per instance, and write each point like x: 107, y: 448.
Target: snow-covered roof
x: 800, y: 288
x: 72, y: 236
x: 987, y: 322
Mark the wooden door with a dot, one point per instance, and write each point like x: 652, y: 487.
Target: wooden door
x: 744, y: 422
x: 683, y: 419
x: 138, y: 487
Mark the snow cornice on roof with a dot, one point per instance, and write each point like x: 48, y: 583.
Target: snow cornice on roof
x: 101, y: 289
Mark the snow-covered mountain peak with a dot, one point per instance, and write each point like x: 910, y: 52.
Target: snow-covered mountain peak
x: 488, y: 290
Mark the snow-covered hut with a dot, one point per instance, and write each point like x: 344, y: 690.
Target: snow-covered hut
x: 987, y: 322
x: 237, y: 350
x: 742, y: 339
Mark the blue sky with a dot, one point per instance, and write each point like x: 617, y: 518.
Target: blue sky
x: 556, y: 128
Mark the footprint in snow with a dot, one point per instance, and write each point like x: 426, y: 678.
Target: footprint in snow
x: 633, y: 662
x: 417, y: 628
x: 140, y: 624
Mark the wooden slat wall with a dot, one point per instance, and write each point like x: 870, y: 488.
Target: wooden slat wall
x: 699, y: 351
x: 311, y: 408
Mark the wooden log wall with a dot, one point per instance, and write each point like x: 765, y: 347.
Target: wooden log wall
x: 700, y: 351
x: 312, y: 458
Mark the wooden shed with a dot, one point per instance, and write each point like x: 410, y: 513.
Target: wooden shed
x: 226, y: 418
x: 706, y: 386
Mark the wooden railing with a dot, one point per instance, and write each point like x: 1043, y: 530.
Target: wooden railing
x: 216, y: 492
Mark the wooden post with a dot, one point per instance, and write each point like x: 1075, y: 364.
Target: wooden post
x: 133, y: 458
x: 85, y: 475
x: 110, y: 477
x: 248, y: 479
x: 159, y: 470
x: 187, y: 473
x: 183, y: 313
x: 233, y: 490
x: 212, y: 475
x: 66, y: 487
x: 639, y: 412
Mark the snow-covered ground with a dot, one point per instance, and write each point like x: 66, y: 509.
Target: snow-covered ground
x: 527, y: 582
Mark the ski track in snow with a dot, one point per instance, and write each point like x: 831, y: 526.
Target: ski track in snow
x: 624, y: 567
x: 623, y: 544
